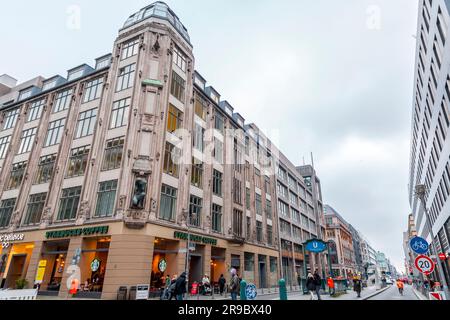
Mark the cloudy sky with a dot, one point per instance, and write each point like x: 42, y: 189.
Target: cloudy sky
x: 333, y: 77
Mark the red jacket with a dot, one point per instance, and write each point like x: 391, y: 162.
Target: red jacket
x: 330, y: 282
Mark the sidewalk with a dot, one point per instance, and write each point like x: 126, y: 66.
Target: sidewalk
x: 419, y: 295
x: 350, y: 295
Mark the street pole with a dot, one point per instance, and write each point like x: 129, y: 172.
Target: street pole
x: 420, y: 193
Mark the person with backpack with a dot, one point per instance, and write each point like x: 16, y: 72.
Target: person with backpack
x: 180, y: 286
x: 234, y: 284
x: 318, y: 283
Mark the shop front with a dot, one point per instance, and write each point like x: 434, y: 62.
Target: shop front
x: 17, y: 258
x: 164, y: 264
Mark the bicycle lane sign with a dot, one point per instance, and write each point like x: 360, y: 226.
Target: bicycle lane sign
x: 419, y: 245
x: 424, y: 264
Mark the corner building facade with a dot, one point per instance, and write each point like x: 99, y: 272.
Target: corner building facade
x: 89, y: 173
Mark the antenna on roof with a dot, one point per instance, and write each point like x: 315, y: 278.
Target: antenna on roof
x: 312, y: 160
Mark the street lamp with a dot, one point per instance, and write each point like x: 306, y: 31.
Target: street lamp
x: 420, y: 192
x: 187, y: 218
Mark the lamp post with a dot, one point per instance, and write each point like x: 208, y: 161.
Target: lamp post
x: 188, y: 250
x: 420, y: 192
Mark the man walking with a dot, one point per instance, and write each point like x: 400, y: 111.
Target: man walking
x: 222, y: 282
x: 318, y: 283
x: 180, y: 286
x: 234, y: 284
x: 357, y: 285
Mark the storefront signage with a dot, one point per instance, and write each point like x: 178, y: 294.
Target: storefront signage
x: 6, y: 239
x: 95, y: 265
x: 162, y: 265
x: 76, y: 232
x: 142, y: 291
x: 40, y: 272
x: 195, y: 238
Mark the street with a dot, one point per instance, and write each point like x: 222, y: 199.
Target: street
x: 393, y: 294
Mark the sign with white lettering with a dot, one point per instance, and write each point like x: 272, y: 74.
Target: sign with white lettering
x: 142, y: 291
x: 6, y: 239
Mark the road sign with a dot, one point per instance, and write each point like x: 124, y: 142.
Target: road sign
x: 250, y: 292
x: 442, y: 256
x: 424, y: 264
x: 316, y: 246
x: 419, y: 245
x: 439, y: 295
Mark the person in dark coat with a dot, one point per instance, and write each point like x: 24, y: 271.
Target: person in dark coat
x: 357, y: 286
x: 222, y: 282
x: 311, y: 285
x: 180, y: 286
x: 318, y: 283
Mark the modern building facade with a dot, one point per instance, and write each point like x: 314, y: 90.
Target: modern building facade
x: 430, y: 146
x: 357, y: 249
x: 339, y: 236
x: 410, y: 256
x: 112, y: 168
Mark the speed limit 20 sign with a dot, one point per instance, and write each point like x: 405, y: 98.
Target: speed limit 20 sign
x: 424, y: 264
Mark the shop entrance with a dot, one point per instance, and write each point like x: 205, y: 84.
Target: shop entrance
x: 17, y: 264
x: 195, y: 269
x: 262, y: 272
x: 164, y: 264
x: 53, y: 257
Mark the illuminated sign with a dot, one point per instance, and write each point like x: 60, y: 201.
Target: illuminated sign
x: 76, y: 232
x: 195, y: 238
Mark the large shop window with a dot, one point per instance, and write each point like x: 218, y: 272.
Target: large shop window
x: 249, y: 261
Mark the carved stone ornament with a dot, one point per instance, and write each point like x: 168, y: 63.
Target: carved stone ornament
x: 85, y: 211
x: 46, y: 215
x: 122, y: 201
x: 16, y: 219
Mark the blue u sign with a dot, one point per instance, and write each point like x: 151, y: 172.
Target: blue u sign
x: 419, y: 245
x: 316, y: 246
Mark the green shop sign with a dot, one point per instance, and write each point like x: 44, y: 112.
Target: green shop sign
x: 195, y: 238
x: 76, y: 232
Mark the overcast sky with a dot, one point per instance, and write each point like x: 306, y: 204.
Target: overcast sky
x: 333, y: 77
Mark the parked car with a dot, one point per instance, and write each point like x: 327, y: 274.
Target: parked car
x: 389, y: 281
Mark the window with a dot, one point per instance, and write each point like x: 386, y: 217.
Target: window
x: 45, y: 169
x: 218, y: 150
x: 17, y: 173
x: 217, y: 183
x: 175, y: 119
x: 177, y: 86
x: 54, y: 132
x: 200, y: 109
x: 4, y: 145
x: 259, y: 231
x: 25, y: 94
x: 198, y: 141
x: 78, y: 162
x: 6, y: 210
x: 171, y: 155
x: 119, y: 115
x: 106, y: 198
x: 267, y: 185
x: 237, y: 191
x: 68, y: 205
x: 62, y: 101
x: 168, y: 205
x: 219, y: 123
x: 26, y: 142
x: 249, y: 227
x: 93, y: 90
x: 86, y: 123
x: 247, y: 198
x: 10, y: 118
x: 113, y: 154
x: 130, y: 49
x: 197, y: 173
x: 216, y: 218
x: 237, y: 223
x: 273, y: 264
x: 195, y: 211
x: 258, y: 205
x: 126, y: 77
x: 75, y: 74
x: 269, y: 235
x: 249, y: 261
x: 179, y: 58
x: 269, y: 210
x: 34, y: 209
x: 35, y: 110
x: 283, y: 209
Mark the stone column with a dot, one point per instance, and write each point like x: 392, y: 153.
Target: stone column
x: 129, y: 263
x: 74, y: 244
x: 207, y: 260
x: 34, y: 263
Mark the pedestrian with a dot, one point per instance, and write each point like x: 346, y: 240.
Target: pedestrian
x: 330, y: 283
x: 180, y: 286
x: 357, y: 285
x: 318, y: 283
x: 222, y: 282
x: 234, y: 284
x: 311, y: 285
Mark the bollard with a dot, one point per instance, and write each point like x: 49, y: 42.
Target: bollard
x: 243, y: 287
x: 283, y: 292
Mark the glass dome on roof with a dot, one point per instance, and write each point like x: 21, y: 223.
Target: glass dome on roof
x: 159, y: 10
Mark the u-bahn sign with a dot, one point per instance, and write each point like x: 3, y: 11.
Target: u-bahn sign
x: 316, y: 246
